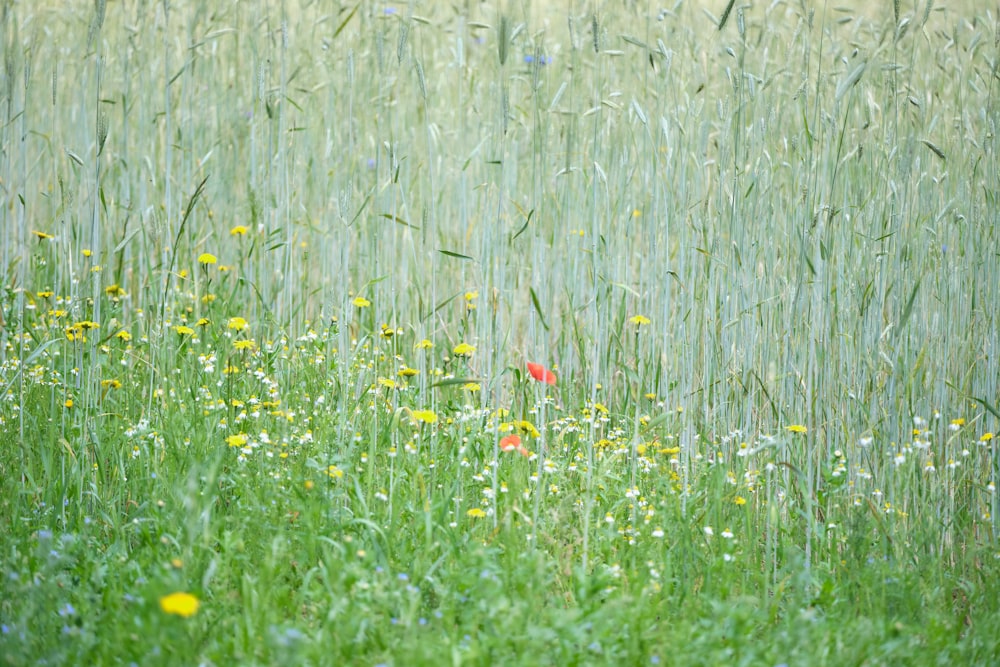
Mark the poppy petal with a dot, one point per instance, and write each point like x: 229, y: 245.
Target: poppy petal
x: 541, y: 373
x: 509, y: 443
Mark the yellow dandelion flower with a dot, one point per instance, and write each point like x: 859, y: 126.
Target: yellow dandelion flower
x: 526, y: 428
x: 244, y: 344
x: 203, y: 322
x: 335, y: 472
x: 361, y: 302
x: 407, y: 372
x: 42, y: 236
x: 238, y: 230
x: 387, y: 383
x: 639, y: 320
x: 123, y: 335
x: 471, y: 386
x: 463, y: 350
x: 237, y: 323
x: 236, y: 439
x: 184, y: 605
x: 87, y: 252
x: 797, y: 428
x: 184, y: 330
x: 45, y: 294
x: 424, y: 345
x: 986, y: 437
x: 740, y: 500
x: 476, y: 513
x: 425, y: 416
x: 207, y: 258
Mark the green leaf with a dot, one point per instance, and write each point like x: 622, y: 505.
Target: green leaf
x: 399, y: 220
x: 456, y: 255
x: 453, y: 381
x: 908, y: 310
x: 538, y: 308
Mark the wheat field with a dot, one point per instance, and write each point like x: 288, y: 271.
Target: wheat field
x: 499, y: 333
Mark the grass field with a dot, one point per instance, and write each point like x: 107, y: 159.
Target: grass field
x: 388, y: 334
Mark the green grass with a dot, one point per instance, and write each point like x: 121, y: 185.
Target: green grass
x: 244, y: 244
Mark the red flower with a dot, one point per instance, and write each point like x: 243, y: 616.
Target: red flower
x: 512, y: 443
x: 509, y: 443
x: 541, y: 373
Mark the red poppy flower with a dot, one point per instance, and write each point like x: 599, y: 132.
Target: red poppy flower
x: 541, y: 373
x: 509, y: 443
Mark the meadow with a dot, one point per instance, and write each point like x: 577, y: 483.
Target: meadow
x: 373, y: 333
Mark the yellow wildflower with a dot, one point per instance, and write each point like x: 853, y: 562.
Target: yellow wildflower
x: 184, y: 605
x: 464, y: 350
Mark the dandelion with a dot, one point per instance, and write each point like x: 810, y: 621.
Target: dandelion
x: 423, y: 345
x: 541, y: 373
x: 463, y: 350
x: 184, y: 605
x: 124, y: 336
x: 639, y: 320
x: 740, y: 500
x: 425, y: 416
x: 797, y: 428
x: 244, y: 345
x: 238, y: 230
x: 985, y: 437
x: 476, y: 513
x: 407, y: 372
x: 361, y: 302
x: 236, y: 440
x: 237, y: 323
x: 203, y: 322
x: 207, y: 258
x: 42, y: 236
x: 184, y: 330
x: 471, y: 386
